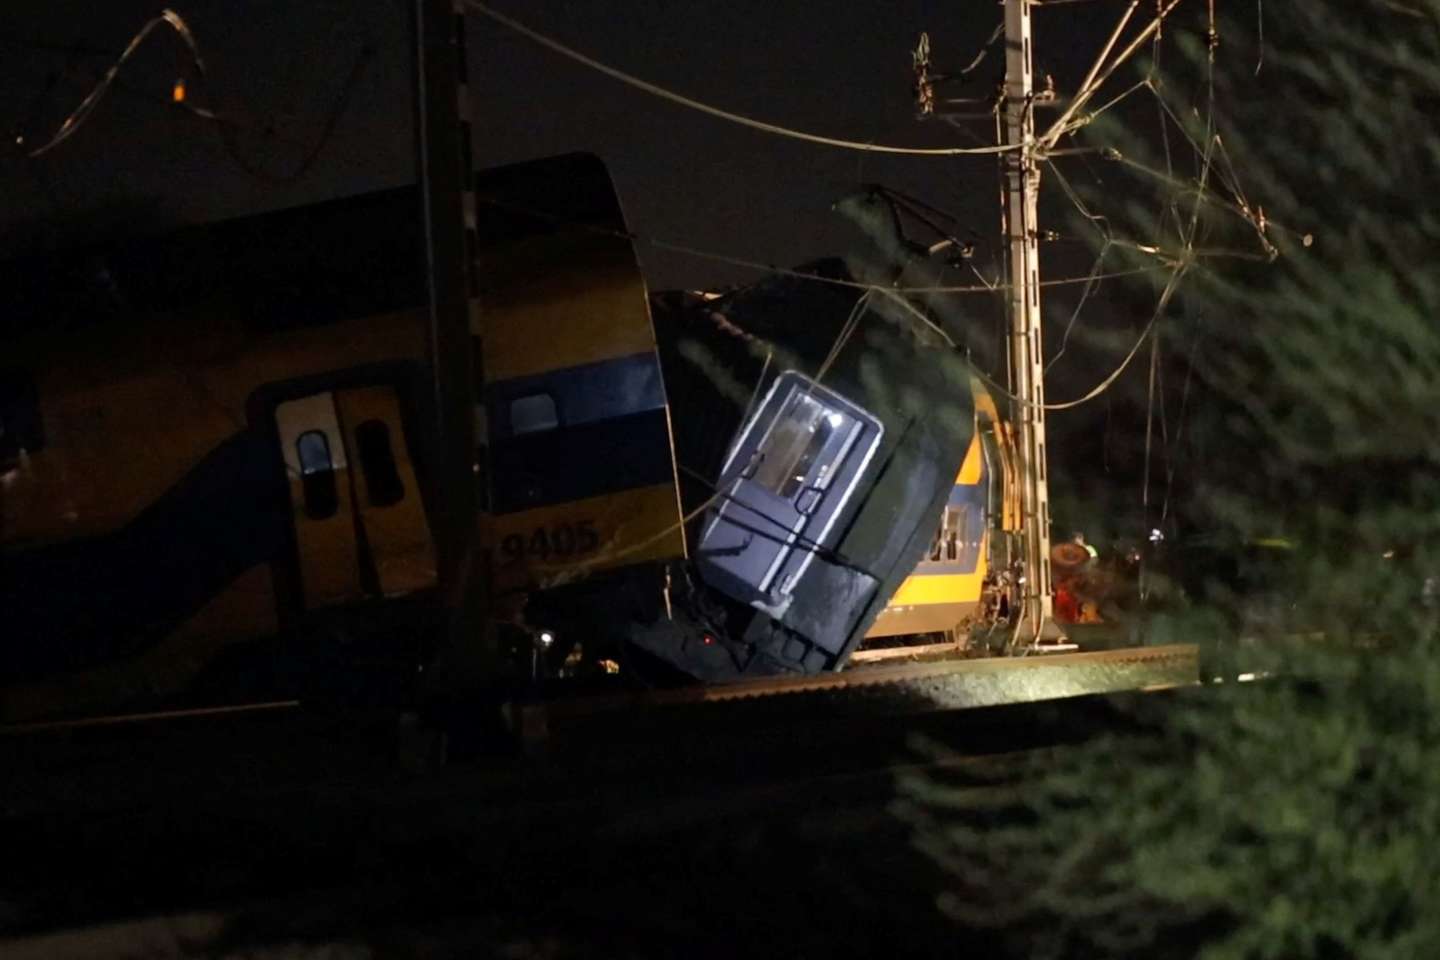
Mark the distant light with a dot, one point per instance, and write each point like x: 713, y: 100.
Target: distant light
x: 835, y: 419
x: 707, y: 640
x: 546, y: 638
x: 1156, y: 536
x: 177, y: 93
x: 1246, y: 677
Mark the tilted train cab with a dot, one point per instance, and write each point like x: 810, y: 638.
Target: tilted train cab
x: 818, y: 436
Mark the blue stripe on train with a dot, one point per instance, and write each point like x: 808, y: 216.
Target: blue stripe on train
x: 609, y: 433
x: 583, y: 394
x: 967, y: 494
x: 589, y: 460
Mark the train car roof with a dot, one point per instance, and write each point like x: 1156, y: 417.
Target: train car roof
x: 304, y: 265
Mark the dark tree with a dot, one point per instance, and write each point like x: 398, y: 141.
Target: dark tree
x: 1297, y: 816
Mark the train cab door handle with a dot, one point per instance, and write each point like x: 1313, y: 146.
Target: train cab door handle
x: 809, y: 500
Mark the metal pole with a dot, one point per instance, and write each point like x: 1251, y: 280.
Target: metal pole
x: 445, y: 175
x: 1027, y: 373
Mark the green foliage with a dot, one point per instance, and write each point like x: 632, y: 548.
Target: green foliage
x: 1293, y: 817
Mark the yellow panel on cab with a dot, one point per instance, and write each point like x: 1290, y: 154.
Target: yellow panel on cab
x: 387, y: 495
x: 315, y: 464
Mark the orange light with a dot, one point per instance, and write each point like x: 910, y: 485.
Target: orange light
x: 177, y: 93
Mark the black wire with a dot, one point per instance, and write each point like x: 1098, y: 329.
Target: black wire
x: 226, y: 126
x: 801, y: 541
x: 984, y: 50
x: 327, y: 130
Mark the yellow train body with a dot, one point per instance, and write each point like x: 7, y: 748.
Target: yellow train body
x: 226, y: 488
x: 949, y: 587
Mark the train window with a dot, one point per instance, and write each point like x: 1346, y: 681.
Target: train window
x: 317, y: 474
x: 377, y: 462
x: 796, y: 462
x: 533, y: 414
x: 796, y: 441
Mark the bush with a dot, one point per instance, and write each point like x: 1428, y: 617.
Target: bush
x: 1293, y: 817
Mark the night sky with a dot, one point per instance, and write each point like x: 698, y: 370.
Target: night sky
x: 278, y: 70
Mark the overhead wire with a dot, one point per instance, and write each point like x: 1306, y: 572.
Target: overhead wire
x: 1149, y: 430
x: 1092, y: 281
x: 730, y: 116
x: 226, y: 126
x: 1260, y: 31
x: 1180, y: 425
x: 1097, y: 77
x: 790, y: 536
x: 979, y: 58
x: 1105, y: 384
x: 119, y: 86
x: 761, y: 266
x: 1199, y: 195
x: 77, y: 117
x: 1203, y: 178
x: 1071, y: 121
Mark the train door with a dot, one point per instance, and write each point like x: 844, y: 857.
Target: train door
x: 792, y: 469
x: 359, y: 524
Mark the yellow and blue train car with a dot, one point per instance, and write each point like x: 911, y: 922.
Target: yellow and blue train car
x: 217, y: 449
x: 955, y: 584
x: 213, y: 465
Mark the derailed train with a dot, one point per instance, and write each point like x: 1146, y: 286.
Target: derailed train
x: 217, y: 461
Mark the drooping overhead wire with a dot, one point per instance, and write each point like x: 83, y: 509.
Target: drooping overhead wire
x: 1106, y: 383
x: 180, y: 97
x: 1171, y: 454
x: 761, y: 266
x: 744, y: 121
x: 80, y: 114
x: 1182, y: 238
x: 979, y: 57
x: 1260, y: 29
x: 1092, y: 281
x: 1101, y: 72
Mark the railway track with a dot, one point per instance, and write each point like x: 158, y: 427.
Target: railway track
x: 245, y: 816
x: 884, y: 689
